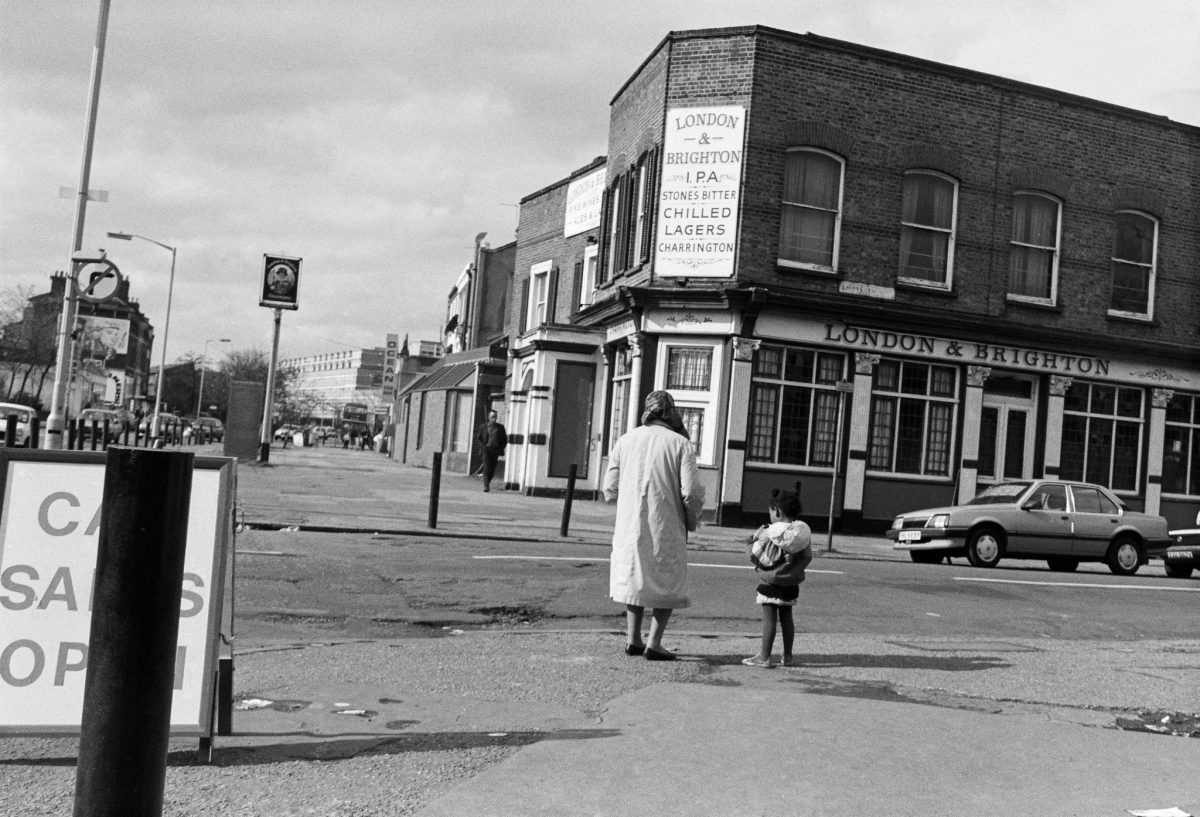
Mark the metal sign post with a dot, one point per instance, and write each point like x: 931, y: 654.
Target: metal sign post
x: 844, y: 387
x: 280, y: 291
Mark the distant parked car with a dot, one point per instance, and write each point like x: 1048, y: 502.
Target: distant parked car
x: 25, y: 415
x: 1060, y: 521
x: 1181, y: 555
x: 118, y: 420
x: 207, y: 428
x: 285, y: 432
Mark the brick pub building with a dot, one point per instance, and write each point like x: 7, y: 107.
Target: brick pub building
x: 892, y: 280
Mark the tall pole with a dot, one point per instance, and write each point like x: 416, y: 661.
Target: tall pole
x: 264, y: 451
x: 203, y: 365
x: 162, y: 366
x: 57, y: 420
x: 155, y: 431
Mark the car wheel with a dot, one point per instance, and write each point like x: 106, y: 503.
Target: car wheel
x: 926, y: 557
x: 1063, y: 564
x: 985, y: 547
x: 1177, y: 571
x: 1124, y: 556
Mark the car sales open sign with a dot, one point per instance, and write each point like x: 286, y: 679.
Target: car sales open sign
x: 49, y: 538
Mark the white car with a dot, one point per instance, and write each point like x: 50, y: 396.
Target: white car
x: 24, y: 415
x: 1061, y: 521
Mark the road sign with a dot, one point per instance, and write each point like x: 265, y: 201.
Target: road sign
x: 98, y: 281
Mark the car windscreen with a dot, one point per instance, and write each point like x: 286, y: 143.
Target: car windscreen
x: 1000, y: 494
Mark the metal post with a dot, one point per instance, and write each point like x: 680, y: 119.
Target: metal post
x: 435, y: 487
x: 10, y: 431
x: 126, y: 722
x: 843, y: 387
x: 566, y: 513
x: 162, y: 365
x: 264, y: 448
x: 56, y: 422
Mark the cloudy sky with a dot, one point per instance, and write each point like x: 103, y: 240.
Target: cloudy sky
x: 376, y: 138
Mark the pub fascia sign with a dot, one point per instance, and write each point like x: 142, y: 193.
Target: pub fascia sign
x: 980, y: 354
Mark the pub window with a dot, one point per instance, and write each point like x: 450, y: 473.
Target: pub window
x: 689, y: 368
x: 1181, y: 447
x: 1102, y: 434
x: 693, y: 424
x: 913, y: 411
x: 793, y: 406
x: 622, y: 376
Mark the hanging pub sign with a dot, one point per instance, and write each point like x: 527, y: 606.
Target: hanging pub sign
x: 281, y: 282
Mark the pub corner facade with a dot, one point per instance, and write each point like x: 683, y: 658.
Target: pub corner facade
x: 889, y: 280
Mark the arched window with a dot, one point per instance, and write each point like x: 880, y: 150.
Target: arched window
x: 812, y: 209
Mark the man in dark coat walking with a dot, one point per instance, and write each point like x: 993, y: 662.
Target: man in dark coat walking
x: 493, y: 439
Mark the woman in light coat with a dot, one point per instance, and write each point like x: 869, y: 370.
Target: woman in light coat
x: 652, y: 476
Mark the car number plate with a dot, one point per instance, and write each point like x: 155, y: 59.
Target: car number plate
x: 1179, y: 554
x: 909, y: 536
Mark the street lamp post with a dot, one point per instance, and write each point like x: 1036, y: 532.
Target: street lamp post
x: 203, y: 364
x: 162, y: 366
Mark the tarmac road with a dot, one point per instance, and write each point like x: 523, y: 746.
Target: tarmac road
x: 508, y: 721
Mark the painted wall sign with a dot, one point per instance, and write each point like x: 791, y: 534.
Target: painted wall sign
x: 700, y: 192
x: 49, y: 540
x: 583, y: 203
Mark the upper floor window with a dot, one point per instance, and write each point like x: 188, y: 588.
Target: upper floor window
x: 1033, y: 254
x: 812, y: 210
x: 539, y: 293
x: 587, y: 275
x: 927, y: 223
x: 1135, y: 247
x: 626, y: 216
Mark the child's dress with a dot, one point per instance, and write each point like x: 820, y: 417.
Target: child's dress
x: 780, y: 552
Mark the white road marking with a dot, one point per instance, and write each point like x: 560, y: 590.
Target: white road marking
x: 1080, y: 584
x: 605, y: 559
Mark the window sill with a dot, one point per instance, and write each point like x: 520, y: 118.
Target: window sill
x: 1129, y: 317
x: 929, y: 289
x: 796, y: 266
x: 1029, y: 303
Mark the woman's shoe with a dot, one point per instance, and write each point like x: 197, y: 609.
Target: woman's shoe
x: 635, y: 649
x: 659, y: 655
x: 755, y: 661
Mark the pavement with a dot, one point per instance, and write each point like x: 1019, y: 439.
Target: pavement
x: 560, y: 722
x: 863, y: 727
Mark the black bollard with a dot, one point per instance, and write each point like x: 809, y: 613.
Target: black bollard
x: 72, y: 434
x: 125, y: 732
x: 566, y: 516
x: 10, y: 431
x: 435, y: 487
x: 35, y: 430
x: 95, y: 433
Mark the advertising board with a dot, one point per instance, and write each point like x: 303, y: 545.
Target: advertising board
x: 50, y: 514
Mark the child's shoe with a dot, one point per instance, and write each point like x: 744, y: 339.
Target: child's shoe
x: 759, y: 661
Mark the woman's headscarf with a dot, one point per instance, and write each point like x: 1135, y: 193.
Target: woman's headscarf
x: 660, y: 407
